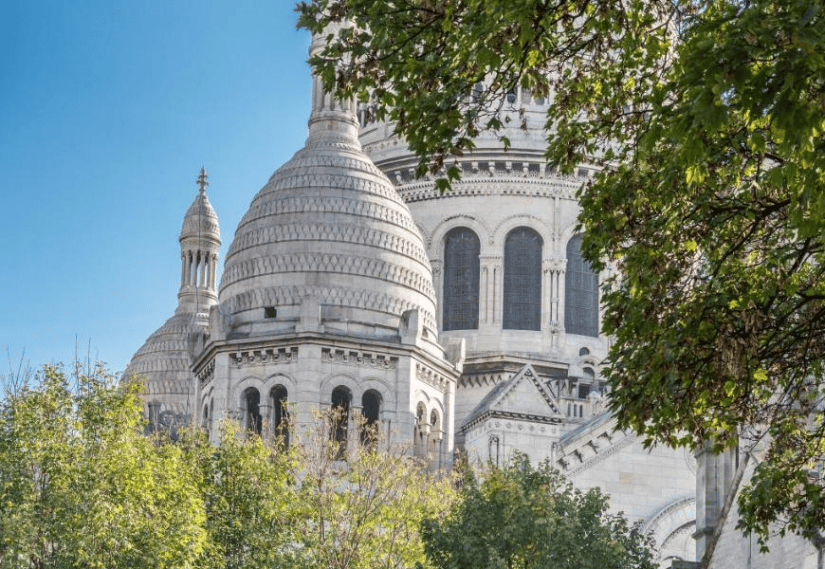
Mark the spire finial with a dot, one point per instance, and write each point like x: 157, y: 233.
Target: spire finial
x: 203, y: 180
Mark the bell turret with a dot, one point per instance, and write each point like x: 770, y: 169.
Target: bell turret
x: 200, y: 243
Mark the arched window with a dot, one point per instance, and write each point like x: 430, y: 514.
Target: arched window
x: 252, y: 410
x: 422, y: 430
x: 461, y: 274
x: 280, y: 413
x: 522, y: 280
x: 493, y: 450
x: 371, y: 411
x: 436, y: 437
x: 581, y: 293
x: 205, y: 418
x: 341, y: 400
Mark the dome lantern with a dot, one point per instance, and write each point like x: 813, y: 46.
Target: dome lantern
x: 200, y: 242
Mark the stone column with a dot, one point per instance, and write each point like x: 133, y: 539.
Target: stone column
x: 487, y: 289
x: 438, y: 283
x: 182, y: 269
x: 562, y: 271
x: 498, y: 291
x: 714, y: 474
x: 546, y: 294
x: 483, y: 278
x: 213, y: 276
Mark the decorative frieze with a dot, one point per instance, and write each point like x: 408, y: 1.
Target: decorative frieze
x: 358, y: 358
x: 340, y: 233
x: 482, y: 379
x: 328, y: 263
x: 292, y: 207
x: 206, y: 374
x: 431, y: 377
x: 335, y: 296
x: 511, y: 421
x: 264, y: 356
x: 605, y: 445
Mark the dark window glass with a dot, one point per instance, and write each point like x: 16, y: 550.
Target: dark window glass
x: 341, y: 399
x: 461, y: 274
x: 522, y: 280
x: 252, y: 400
x: 280, y: 416
x: 371, y: 410
x: 581, y: 293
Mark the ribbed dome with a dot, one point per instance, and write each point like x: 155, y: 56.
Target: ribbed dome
x: 329, y: 225
x: 163, y: 362
x: 200, y: 219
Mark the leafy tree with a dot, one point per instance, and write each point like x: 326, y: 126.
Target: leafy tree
x: 707, y: 119
x: 519, y: 517
x: 440, y: 71
x: 363, y: 512
x: 81, y: 487
x: 249, y: 496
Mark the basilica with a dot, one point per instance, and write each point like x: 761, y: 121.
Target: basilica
x: 467, y: 321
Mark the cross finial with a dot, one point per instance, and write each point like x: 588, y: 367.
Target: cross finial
x: 203, y: 180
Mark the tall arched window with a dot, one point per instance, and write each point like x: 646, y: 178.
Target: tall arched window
x: 252, y: 410
x: 371, y: 411
x: 522, y: 280
x: 461, y: 274
x: 422, y: 430
x: 280, y: 413
x: 581, y: 293
x: 436, y: 436
x: 341, y: 400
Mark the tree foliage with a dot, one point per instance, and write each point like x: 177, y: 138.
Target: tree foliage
x: 519, y: 517
x: 81, y: 487
x: 364, y: 512
x: 249, y: 495
x: 706, y: 118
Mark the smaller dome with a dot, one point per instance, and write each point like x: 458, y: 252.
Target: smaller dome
x: 201, y: 221
x: 163, y: 362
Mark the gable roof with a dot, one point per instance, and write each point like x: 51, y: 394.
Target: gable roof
x: 523, y: 396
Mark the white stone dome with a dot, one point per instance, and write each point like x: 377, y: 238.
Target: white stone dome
x: 200, y: 220
x: 163, y: 362
x: 328, y: 226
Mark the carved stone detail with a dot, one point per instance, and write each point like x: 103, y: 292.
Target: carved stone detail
x: 359, y: 358
x: 206, y: 374
x: 314, y: 205
x: 494, y: 184
x: 341, y: 233
x: 327, y: 263
x: 264, y: 356
x: 294, y: 295
x: 431, y: 377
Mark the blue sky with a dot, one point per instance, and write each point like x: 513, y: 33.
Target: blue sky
x: 108, y: 110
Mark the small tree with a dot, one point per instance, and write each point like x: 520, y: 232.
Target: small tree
x: 249, y: 496
x: 363, y: 502
x: 81, y: 487
x: 518, y: 517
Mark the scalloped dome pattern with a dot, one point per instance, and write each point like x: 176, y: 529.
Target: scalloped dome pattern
x: 164, y: 362
x: 329, y: 224
x: 200, y: 219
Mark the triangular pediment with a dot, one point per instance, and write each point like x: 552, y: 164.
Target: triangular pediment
x: 523, y: 395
